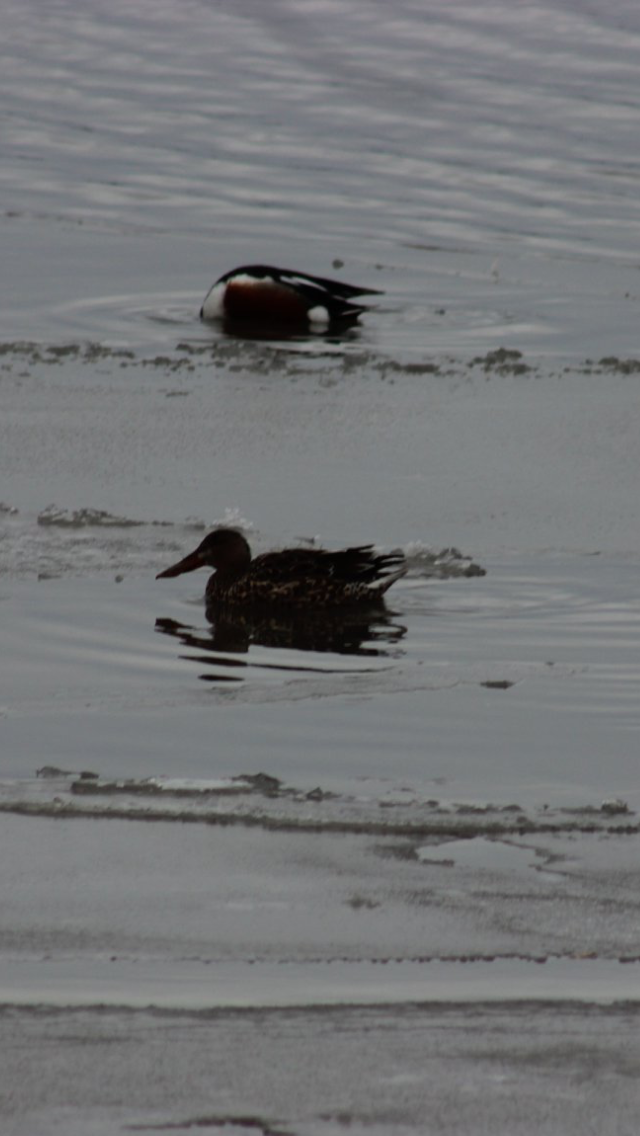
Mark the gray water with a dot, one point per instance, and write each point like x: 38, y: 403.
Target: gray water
x: 478, y: 164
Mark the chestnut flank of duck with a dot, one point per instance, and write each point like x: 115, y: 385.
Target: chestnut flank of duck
x: 260, y: 293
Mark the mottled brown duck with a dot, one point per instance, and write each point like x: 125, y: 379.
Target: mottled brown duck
x: 292, y: 577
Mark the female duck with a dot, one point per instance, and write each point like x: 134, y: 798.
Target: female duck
x: 295, y: 577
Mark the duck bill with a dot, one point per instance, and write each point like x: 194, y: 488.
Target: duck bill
x: 188, y: 564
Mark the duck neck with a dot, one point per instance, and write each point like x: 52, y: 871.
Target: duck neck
x: 236, y: 564
x: 224, y: 578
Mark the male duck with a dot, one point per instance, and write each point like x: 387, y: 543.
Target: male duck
x: 262, y: 294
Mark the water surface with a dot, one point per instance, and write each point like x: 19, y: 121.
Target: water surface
x: 454, y: 779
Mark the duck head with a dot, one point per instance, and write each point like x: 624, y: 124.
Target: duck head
x: 224, y: 549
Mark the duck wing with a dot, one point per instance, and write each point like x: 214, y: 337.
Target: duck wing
x: 321, y: 284
x: 359, y: 565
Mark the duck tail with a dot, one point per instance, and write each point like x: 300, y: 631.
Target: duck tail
x: 385, y: 584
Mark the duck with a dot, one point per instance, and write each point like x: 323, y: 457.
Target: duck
x: 260, y: 293
x: 291, y: 577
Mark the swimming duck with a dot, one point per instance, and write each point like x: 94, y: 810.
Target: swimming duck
x: 260, y: 293
x: 295, y: 577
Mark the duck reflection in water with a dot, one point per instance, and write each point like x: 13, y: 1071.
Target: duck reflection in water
x: 372, y: 634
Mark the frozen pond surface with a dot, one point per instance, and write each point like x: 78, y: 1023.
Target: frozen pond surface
x: 530, y: 1068
x: 453, y: 779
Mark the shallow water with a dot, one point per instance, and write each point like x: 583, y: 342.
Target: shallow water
x: 479, y: 164
x: 476, y: 165
x: 518, y: 686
